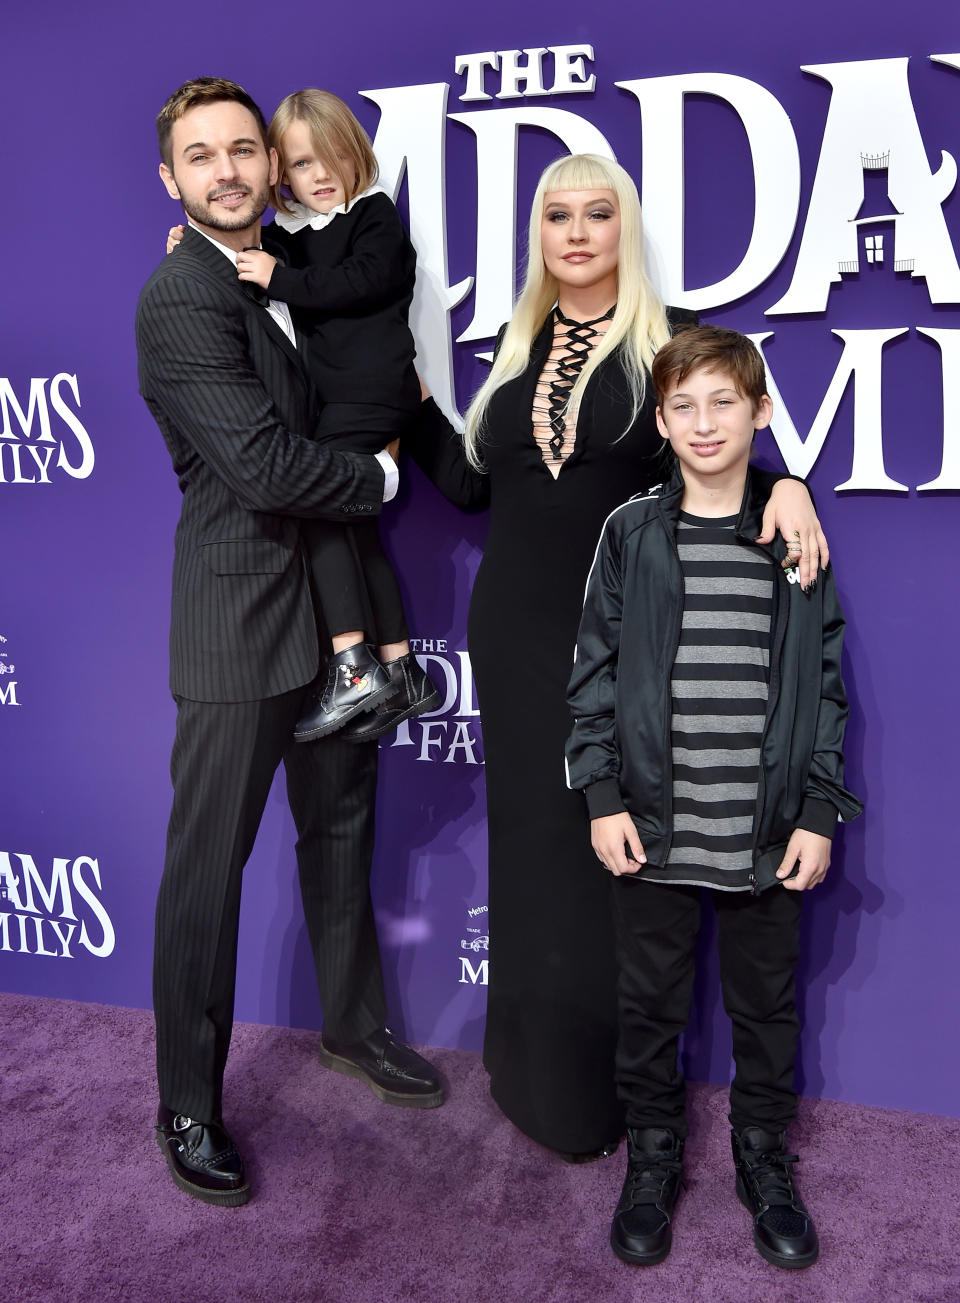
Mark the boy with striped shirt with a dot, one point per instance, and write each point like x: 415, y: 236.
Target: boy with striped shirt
x: 708, y: 724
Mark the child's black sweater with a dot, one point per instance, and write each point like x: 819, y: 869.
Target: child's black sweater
x: 350, y: 285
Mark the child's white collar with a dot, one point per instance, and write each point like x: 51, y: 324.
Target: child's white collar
x: 302, y: 216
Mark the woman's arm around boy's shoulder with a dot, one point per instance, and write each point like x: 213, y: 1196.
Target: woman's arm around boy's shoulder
x: 826, y: 799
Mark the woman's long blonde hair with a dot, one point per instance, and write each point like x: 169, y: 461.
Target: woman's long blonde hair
x: 639, y: 325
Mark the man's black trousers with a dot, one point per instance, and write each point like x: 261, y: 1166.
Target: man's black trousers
x: 223, y: 762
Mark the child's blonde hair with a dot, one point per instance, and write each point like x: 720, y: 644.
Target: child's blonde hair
x: 337, y: 136
x: 639, y: 326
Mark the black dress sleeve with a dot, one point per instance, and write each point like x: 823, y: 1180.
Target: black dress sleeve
x: 677, y: 318
x: 438, y: 450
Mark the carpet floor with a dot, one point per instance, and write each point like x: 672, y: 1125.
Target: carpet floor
x: 357, y: 1202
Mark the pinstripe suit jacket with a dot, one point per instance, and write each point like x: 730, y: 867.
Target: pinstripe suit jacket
x: 235, y: 407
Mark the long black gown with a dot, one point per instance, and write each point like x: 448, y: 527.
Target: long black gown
x: 551, y: 1001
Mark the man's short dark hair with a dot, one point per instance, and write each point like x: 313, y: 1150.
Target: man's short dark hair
x: 710, y: 348
x: 202, y: 90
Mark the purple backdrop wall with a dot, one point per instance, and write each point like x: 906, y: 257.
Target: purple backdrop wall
x: 89, y: 501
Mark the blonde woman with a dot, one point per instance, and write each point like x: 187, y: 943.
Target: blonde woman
x: 561, y: 432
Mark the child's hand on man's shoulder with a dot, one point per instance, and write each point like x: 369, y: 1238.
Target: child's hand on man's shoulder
x: 256, y: 266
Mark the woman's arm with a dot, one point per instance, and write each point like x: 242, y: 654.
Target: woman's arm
x: 790, y: 510
x: 438, y: 450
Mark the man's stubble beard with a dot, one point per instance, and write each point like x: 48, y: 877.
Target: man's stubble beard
x: 217, y: 220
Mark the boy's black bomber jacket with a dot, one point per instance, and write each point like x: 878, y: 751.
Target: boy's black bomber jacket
x: 619, y: 750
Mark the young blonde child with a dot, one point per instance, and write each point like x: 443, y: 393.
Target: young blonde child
x: 345, y: 266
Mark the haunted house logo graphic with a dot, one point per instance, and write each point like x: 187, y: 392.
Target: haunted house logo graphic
x: 876, y: 222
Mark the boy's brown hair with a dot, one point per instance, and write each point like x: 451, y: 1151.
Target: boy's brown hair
x: 710, y: 348
x: 202, y: 90
x: 334, y: 131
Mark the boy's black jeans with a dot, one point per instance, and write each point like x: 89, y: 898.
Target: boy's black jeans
x: 657, y: 926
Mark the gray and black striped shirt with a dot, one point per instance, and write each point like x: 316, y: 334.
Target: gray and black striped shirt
x: 719, y: 689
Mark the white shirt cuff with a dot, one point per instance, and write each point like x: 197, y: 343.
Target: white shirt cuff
x: 391, y: 476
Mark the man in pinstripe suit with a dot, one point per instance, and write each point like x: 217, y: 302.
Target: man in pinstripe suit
x: 221, y: 373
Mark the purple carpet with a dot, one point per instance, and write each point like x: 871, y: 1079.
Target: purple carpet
x: 357, y: 1202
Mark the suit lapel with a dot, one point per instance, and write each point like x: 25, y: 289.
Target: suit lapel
x: 219, y: 266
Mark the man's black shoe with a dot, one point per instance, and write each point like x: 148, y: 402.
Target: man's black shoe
x: 393, y: 1071
x: 356, y: 681
x: 641, y: 1230
x: 783, y: 1230
x: 416, y: 694
x: 202, y: 1158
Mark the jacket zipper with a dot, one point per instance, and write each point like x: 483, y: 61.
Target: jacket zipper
x: 668, y: 748
x: 773, y: 692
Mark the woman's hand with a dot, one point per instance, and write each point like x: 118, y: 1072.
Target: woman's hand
x: 174, y: 236
x: 255, y: 265
x: 790, y: 510
x: 611, y: 835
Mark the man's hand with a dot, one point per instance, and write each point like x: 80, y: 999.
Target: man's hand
x: 174, y: 236
x: 790, y: 510
x: 813, y: 853
x: 257, y: 266
x: 393, y: 448
x: 610, y: 835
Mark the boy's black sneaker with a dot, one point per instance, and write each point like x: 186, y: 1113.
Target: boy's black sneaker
x: 356, y: 681
x: 416, y: 693
x: 640, y: 1231
x: 783, y: 1230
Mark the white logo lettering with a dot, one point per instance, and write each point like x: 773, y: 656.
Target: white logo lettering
x: 776, y: 181
x: 22, y: 459
x: 448, y: 733
x: 42, y: 919
x: 569, y: 78
x: 469, y: 974
x: 860, y: 360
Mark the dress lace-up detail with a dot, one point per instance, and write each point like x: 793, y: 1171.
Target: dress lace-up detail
x: 573, y: 342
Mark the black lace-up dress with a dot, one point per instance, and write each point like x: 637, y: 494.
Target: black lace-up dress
x: 550, y: 484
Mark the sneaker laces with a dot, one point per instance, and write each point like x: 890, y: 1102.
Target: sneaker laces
x: 770, y: 1170
x: 647, y: 1177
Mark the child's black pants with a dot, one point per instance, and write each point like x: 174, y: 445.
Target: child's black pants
x: 758, y: 940
x: 352, y: 577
